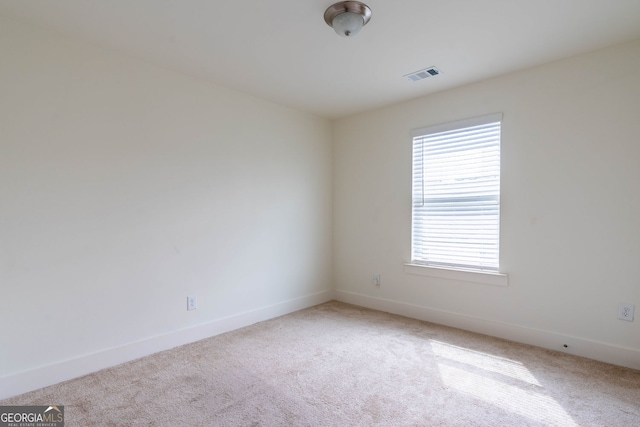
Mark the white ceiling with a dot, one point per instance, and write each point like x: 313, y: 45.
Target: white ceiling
x: 282, y: 50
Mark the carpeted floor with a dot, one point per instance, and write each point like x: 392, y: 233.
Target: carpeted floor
x: 340, y: 365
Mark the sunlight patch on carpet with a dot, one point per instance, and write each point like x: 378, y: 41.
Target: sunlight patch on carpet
x: 526, y: 400
x: 485, y: 361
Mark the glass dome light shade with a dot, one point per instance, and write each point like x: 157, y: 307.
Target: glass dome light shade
x: 347, y: 24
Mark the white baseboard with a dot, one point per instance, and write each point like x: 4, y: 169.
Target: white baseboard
x: 54, y: 373
x: 616, y: 355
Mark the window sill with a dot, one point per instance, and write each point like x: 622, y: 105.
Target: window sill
x: 485, y: 278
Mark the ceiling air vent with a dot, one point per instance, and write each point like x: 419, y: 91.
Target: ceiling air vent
x: 422, y: 74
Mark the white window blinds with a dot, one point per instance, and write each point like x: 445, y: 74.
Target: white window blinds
x: 456, y: 194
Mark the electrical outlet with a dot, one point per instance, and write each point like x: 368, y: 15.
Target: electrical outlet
x: 377, y: 279
x: 625, y: 312
x: 192, y: 302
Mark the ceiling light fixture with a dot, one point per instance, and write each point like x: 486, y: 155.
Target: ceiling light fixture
x: 347, y: 17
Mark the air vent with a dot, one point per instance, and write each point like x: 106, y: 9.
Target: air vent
x: 422, y: 74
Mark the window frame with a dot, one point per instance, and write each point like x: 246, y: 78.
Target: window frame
x: 449, y: 270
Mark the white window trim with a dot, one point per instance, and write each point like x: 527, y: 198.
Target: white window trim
x: 482, y: 277
x: 475, y: 121
x: 459, y: 274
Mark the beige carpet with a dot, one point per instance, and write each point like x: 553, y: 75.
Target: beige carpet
x: 340, y: 365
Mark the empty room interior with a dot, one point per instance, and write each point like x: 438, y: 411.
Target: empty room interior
x: 206, y: 193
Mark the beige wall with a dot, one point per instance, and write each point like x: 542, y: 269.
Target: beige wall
x: 124, y: 188
x: 570, y: 224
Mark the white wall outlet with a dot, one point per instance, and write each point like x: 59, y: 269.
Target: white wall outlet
x: 192, y: 302
x: 377, y: 280
x: 625, y: 312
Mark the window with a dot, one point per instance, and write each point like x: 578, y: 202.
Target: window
x: 456, y: 195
